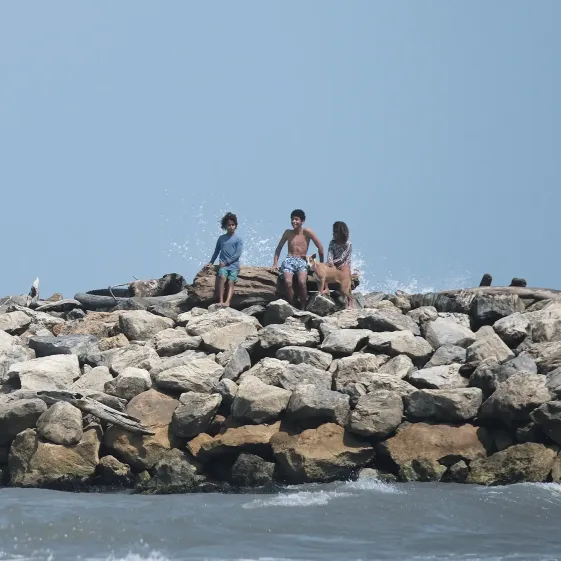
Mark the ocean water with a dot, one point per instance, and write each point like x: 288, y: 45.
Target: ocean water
x: 363, y: 520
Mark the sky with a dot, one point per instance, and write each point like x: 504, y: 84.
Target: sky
x: 431, y: 127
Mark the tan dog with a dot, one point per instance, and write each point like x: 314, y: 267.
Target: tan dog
x: 326, y: 274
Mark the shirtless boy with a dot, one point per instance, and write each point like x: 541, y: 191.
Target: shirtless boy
x: 295, y: 262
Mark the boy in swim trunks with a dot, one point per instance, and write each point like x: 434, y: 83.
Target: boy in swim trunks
x: 295, y: 262
x: 230, y: 247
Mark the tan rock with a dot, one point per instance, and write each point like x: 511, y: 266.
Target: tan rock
x: 117, y: 342
x: 194, y: 445
x: 155, y: 411
x: 100, y: 324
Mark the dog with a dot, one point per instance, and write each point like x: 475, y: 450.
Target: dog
x: 326, y: 274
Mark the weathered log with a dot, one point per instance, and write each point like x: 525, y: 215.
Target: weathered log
x: 93, y: 302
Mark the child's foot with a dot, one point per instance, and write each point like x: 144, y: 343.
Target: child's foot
x: 226, y: 305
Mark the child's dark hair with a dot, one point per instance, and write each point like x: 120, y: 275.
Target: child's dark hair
x: 340, y: 232
x: 226, y: 218
x: 299, y: 213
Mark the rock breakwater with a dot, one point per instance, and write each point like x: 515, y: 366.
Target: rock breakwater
x: 166, y: 393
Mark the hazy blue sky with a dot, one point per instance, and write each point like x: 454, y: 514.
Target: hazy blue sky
x: 431, y: 127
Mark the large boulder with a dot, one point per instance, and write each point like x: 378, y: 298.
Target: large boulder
x: 547, y: 355
x: 486, y: 347
x: 377, y: 414
x: 155, y: 411
x: 140, y: 325
x: 268, y: 370
x: 294, y: 375
x: 321, y: 305
x: 250, y: 470
x: 135, y: 356
x: 345, y: 341
x: 12, y: 355
x: 194, y: 413
x: 229, y: 337
x: 350, y: 368
x: 251, y: 439
x: 199, y: 375
x: 447, y: 354
x: 513, y: 329
x: 321, y: 454
x: 218, y: 319
x: 401, y: 342
x: 423, y: 314
x: 292, y: 333
x: 376, y: 382
x: 113, y: 473
x: 311, y: 405
x: 444, y: 331
x: 306, y: 355
x: 257, y: 402
x: 129, y: 383
x: 171, y: 342
x: 14, y: 323
x: 515, y: 399
x: 421, y: 470
x: 61, y: 424
x: 18, y: 415
x: 166, y: 363
x: 92, y: 380
x: 99, y: 324
x: 486, y: 309
x: 387, y: 320
x: 238, y: 362
x: 174, y: 473
x: 446, y: 405
x: 444, y: 443
x: 438, y: 377
x: 278, y: 311
x: 85, y: 347
x: 529, y: 462
x: 399, y: 366
x: 48, y: 373
x: 548, y: 418
x: 34, y: 462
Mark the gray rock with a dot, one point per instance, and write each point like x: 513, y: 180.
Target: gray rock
x: 295, y: 374
x: 524, y: 362
x: 422, y: 469
x: 306, y: 355
x: 489, y: 346
x: 291, y: 333
x: 322, y: 305
x: 61, y: 424
x: 14, y: 323
x: 546, y: 355
x: 76, y: 313
x: 513, y: 329
x: 228, y: 337
x: 239, y: 362
x: 85, y: 347
x: 199, y: 375
x: 399, y: 366
x: 184, y: 318
x: 48, y: 373
x: 355, y: 390
x: 553, y: 383
x: 252, y: 471
x: 257, y: 402
x: 311, y: 405
x: 379, y: 382
x: 171, y: 342
x: 268, y: 370
x: 439, y: 377
x: 447, y: 354
x: 174, y: 473
x: 278, y: 311
x: 140, y: 325
x: 423, y: 314
x: 18, y: 415
x: 255, y: 311
x: 94, y: 379
x: 133, y: 357
x: 213, y: 321
x: 7, y: 341
x: 400, y: 342
x: 515, y: 399
x: 487, y: 309
x: 350, y: 368
x: 545, y: 325
x: 377, y: 414
x: 11, y: 356
x: 194, y: 413
x: 345, y: 341
x: 444, y: 331
x: 547, y: 417
x: 449, y: 405
x: 228, y: 390
x: 387, y: 320
x: 180, y: 360
x: 129, y: 383
x: 460, y: 318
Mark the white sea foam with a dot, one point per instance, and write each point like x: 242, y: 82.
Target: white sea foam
x: 299, y: 499
x: 372, y: 484
x: 151, y: 556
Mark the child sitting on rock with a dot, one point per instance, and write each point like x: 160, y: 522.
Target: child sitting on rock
x: 340, y: 248
x: 229, y: 246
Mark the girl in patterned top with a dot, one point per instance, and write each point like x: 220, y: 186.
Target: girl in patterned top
x: 340, y: 248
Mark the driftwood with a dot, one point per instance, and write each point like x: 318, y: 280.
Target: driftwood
x: 94, y: 302
x: 96, y: 408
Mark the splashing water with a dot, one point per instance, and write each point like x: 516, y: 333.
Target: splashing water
x: 260, y: 244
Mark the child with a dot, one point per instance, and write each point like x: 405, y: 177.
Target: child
x: 340, y: 248
x: 295, y: 262
x: 230, y: 247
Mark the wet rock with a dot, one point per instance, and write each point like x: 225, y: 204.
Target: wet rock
x: 194, y: 413
x: 36, y: 463
x: 268, y: 370
x: 250, y: 470
x: 311, y: 405
x: 321, y: 454
x: 18, y: 415
x: 155, y: 411
x: 387, y: 320
x: 377, y: 414
x: 134, y: 356
x: 14, y: 323
x: 129, y: 383
x: 113, y: 473
x: 438, y: 377
x: 61, y: 424
x: 291, y: 333
x: 446, y: 405
x: 239, y: 362
x: 94, y: 380
x: 294, y: 375
x: 306, y: 355
x: 447, y: 354
x: 513, y: 329
x: 459, y: 472
x: 199, y: 375
x: 443, y: 331
x: 515, y: 399
x: 528, y: 462
x: 401, y: 342
x: 487, y: 309
x: 256, y: 402
x: 345, y: 341
x: 422, y: 469
x: 174, y: 473
x: 48, y: 373
x: 171, y: 342
x: 140, y: 325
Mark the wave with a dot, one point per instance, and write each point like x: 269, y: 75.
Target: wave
x: 299, y: 499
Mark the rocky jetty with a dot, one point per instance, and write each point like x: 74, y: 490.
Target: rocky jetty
x: 151, y: 388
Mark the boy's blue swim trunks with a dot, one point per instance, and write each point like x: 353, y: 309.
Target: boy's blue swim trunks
x: 293, y: 264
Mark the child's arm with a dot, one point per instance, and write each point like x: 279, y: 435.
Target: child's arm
x: 315, y: 239
x: 278, y: 250
x: 214, y: 255
x: 237, y: 253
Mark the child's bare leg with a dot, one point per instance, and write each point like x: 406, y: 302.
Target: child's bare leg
x: 230, y: 293
x: 220, y: 284
x: 303, y: 288
x: 288, y: 287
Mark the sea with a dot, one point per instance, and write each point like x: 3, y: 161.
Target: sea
x: 347, y: 521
